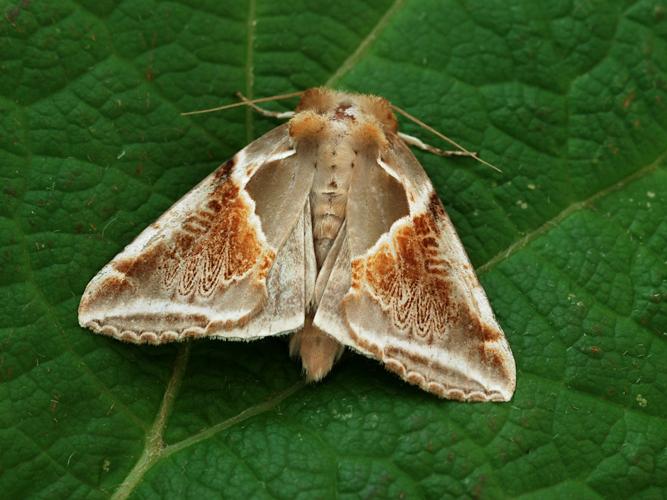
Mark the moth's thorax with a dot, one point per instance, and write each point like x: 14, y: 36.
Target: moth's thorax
x: 338, y: 132
x: 348, y: 111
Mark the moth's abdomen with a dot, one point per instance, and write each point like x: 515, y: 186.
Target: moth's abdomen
x: 328, y: 195
x: 328, y: 209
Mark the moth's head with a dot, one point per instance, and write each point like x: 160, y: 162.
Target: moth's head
x: 367, y: 119
x: 348, y: 106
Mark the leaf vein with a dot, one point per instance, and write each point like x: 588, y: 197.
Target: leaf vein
x: 155, y: 449
x: 567, y: 211
x: 236, y: 419
x: 249, y: 67
x: 154, y: 443
x: 365, y: 44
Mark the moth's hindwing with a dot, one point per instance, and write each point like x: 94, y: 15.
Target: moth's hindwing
x: 226, y: 260
x: 403, y: 290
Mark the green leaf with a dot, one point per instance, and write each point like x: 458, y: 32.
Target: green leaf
x: 568, y: 97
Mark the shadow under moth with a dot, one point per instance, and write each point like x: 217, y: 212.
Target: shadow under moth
x: 327, y: 228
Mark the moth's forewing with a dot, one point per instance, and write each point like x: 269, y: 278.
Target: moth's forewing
x: 210, y: 266
x: 413, y: 300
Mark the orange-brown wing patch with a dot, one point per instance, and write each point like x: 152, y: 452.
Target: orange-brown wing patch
x: 213, y: 248
x: 185, y: 271
x: 408, y: 277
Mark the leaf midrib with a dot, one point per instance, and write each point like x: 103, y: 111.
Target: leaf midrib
x: 249, y: 68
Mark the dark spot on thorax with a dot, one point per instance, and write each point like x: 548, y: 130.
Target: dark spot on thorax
x: 340, y: 114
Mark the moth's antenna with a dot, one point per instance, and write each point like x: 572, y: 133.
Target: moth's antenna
x: 443, y: 137
x: 245, y: 102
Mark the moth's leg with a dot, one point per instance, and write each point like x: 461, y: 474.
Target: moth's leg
x: 265, y: 112
x: 418, y: 143
x: 317, y: 350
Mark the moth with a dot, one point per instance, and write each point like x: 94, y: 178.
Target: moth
x: 326, y: 228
